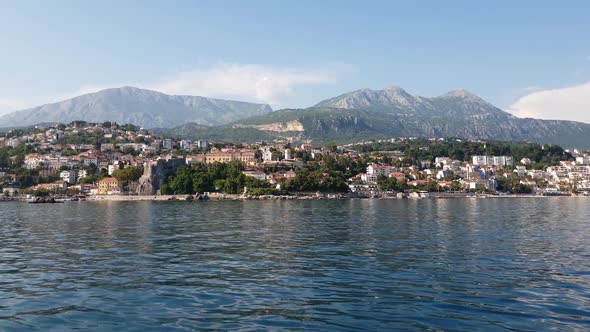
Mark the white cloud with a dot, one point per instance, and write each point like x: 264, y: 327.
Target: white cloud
x: 250, y: 82
x: 247, y: 82
x: 570, y: 103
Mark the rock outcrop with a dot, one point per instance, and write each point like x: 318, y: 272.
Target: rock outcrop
x: 279, y: 127
x: 155, y: 173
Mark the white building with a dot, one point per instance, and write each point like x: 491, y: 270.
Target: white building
x: 492, y: 160
x: 475, y: 185
x: 82, y: 174
x: 364, y: 188
x: 288, y: 154
x: 33, y: 160
x: 256, y: 174
x: 202, y: 144
x: 186, y: 144
x: 167, y: 144
x: 113, y: 167
x: 10, y: 190
x: 266, y: 154
x: 520, y: 171
x: 148, y: 149
x: 442, y: 174
x: 369, y: 178
x: 377, y: 170
x: 68, y: 176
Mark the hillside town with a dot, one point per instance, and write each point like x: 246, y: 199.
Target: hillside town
x: 83, y: 159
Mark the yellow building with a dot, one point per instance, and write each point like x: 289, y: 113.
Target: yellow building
x: 219, y: 157
x: 246, y: 156
x: 109, y: 186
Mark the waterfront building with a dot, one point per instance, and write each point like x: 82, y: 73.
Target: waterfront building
x: 109, y: 186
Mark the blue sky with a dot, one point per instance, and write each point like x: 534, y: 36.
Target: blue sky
x: 515, y: 54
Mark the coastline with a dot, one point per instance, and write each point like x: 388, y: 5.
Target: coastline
x: 307, y: 196
x: 229, y: 197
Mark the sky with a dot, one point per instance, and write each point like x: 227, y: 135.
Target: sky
x: 531, y: 58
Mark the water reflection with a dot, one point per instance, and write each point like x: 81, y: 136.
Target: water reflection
x: 355, y: 264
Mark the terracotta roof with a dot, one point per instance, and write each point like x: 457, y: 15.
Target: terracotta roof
x: 110, y: 179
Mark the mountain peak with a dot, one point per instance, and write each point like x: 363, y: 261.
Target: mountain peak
x: 129, y: 89
x: 396, y: 100
x: 394, y: 88
x: 461, y: 93
x: 391, y: 96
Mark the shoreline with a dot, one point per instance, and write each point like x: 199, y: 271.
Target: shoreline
x: 230, y: 197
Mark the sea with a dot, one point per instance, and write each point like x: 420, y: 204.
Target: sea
x: 488, y: 264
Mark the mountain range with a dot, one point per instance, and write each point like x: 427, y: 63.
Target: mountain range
x: 145, y: 108
x: 393, y: 112
x: 358, y: 115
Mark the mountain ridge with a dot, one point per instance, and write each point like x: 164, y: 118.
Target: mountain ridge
x: 391, y: 112
x: 356, y: 115
x: 394, y: 98
x: 143, y: 107
x: 349, y: 125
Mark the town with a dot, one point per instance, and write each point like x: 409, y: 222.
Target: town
x: 88, y: 160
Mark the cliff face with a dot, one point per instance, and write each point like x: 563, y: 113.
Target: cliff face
x: 155, y: 174
x: 279, y: 127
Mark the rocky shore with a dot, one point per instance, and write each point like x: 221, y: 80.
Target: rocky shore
x: 230, y: 197
x: 217, y: 197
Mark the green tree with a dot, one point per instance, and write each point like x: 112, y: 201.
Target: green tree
x: 92, y: 169
x: 332, y: 147
x: 129, y: 150
x: 127, y: 175
x: 103, y: 173
x: 166, y: 190
x: 182, y: 181
x: 201, y: 183
x: 387, y: 183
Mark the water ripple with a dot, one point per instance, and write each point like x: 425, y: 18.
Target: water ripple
x: 465, y: 265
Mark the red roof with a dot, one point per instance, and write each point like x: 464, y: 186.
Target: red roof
x: 110, y: 179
